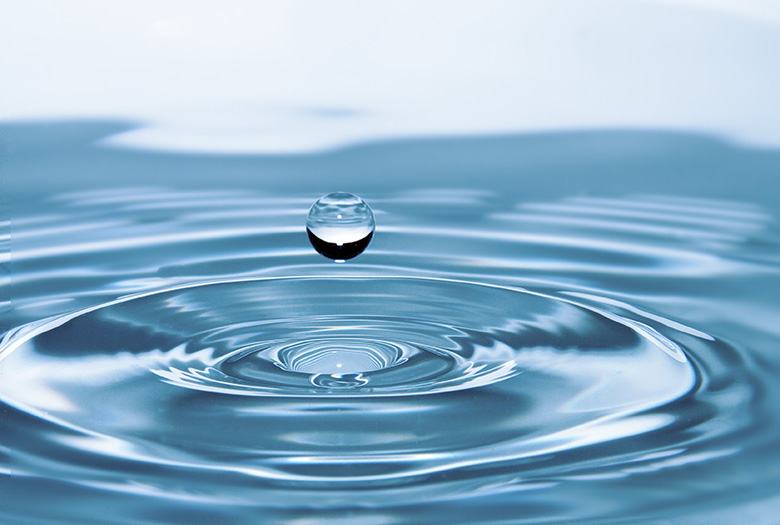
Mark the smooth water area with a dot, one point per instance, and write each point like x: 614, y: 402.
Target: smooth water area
x: 557, y: 328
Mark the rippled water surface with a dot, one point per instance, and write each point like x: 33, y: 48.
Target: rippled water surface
x: 551, y: 328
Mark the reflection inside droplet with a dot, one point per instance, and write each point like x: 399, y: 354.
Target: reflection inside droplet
x: 340, y: 226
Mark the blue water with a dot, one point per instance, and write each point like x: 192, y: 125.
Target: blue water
x: 557, y: 328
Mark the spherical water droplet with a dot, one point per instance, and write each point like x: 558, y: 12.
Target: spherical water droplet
x: 340, y: 225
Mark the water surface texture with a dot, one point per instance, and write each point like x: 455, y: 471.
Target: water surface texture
x: 557, y: 328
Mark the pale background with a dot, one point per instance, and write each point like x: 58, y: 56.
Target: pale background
x: 274, y: 76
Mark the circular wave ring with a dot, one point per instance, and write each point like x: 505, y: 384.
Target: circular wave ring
x: 315, y: 380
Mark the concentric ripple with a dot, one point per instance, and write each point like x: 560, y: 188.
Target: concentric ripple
x: 227, y: 366
x: 363, y: 337
x: 164, y: 369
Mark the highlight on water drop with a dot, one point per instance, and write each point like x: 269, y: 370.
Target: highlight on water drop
x: 340, y: 225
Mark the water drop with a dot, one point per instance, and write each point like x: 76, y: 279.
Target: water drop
x: 340, y: 225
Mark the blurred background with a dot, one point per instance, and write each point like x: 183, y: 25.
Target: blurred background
x: 295, y: 76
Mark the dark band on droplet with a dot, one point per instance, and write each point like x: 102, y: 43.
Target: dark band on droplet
x: 345, y: 251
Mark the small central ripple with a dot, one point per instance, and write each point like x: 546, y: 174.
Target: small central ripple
x: 343, y: 360
x: 339, y: 356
